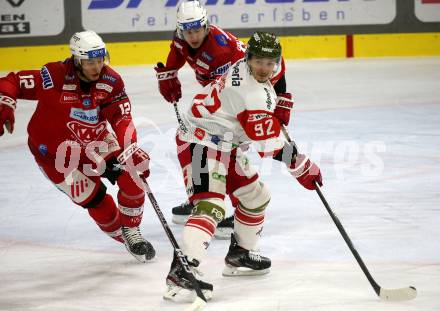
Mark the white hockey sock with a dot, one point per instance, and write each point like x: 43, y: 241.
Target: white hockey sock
x: 197, y: 236
x: 248, y: 226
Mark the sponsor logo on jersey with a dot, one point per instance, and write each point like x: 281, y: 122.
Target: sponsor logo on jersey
x: 79, y: 187
x: 258, y: 116
x: 109, y: 78
x: 236, y: 76
x: 103, y: 86
x: 69, y: 98
x: 47, y: 79
x: 206, y: 56
x: 69, y: 87
x: 101, y: 95
x: 221, y: 70
x: 87, y: 116
x: 86, y: 133
x: 202, y: 64
x: 178, y: 45
x: 268, y: 99
x: 221, y: 39
x: 69, y: 77
x: 199, y: 133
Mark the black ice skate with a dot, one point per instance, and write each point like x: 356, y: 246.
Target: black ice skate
x: 225, y: 228
x: 240, y: 261
x: 181, y: 213
x: 177, y: 280
x: 136, y: 245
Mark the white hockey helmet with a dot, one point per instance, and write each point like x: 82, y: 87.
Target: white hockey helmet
x: 191, y: 15
x: 87, y: 45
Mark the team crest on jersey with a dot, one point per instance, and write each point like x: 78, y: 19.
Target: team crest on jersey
x: 221, y: 39
x: 87, y: 102
x: 86, y: 133
x: 47, y: 79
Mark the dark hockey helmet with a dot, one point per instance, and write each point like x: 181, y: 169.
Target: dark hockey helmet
x: 263, y: 45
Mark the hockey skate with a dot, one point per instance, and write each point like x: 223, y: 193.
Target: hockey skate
x: 240, y: 261
x: 225, y: 228
x: 177, y: 280
x: 136, y: 245
x: 181, y: 213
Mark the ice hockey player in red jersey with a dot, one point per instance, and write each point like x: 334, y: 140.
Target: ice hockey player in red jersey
x: 229, y: 112
x: 70, y: 140
x: 210, y: 51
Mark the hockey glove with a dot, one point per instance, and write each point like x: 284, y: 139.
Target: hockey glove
x: 7, y: 119
x: 305, y: 171
x: 134, y: 158
x: 169, y: 84
x: 283, y: 107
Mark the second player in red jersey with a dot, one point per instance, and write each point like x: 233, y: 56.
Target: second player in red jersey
x: 70, y: 141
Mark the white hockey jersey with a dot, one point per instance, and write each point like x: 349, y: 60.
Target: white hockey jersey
x: 233, y: 110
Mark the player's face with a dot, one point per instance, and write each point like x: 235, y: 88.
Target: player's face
x: 91, y: 68
x: 194, y: 37
x: 262, y: 69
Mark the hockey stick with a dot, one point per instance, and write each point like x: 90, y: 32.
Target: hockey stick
x: 200, y: 302
x: 182, y: 125
x: 397, y: 294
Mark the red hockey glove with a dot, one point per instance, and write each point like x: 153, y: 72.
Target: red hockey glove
x: 135, y: 158
x: 283, y: 107
x: 306, y: 172
x: 169, y: 84
x: 7, y: 119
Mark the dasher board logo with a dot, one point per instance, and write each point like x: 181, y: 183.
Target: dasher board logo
x: 427, y: 11
x: 14, y: 24
x: 27, y: 18
x: 15, y: 3
x: 148, y: 15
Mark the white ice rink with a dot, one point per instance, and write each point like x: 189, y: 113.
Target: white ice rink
x: 373, y: 125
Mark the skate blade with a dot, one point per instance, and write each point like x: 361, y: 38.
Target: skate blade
x: 175, y: 292
x: 151, y: 253
x: 223, y: 233
x: 180, y: 219
x: 242, y: 271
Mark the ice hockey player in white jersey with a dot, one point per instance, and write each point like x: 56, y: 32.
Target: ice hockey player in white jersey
x: 234, y: 111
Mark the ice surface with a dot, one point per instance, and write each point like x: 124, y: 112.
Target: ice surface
x: 373, y: 125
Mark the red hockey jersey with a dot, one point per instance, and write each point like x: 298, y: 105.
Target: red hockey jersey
x: 212, y: 59
x: 69, y: 110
